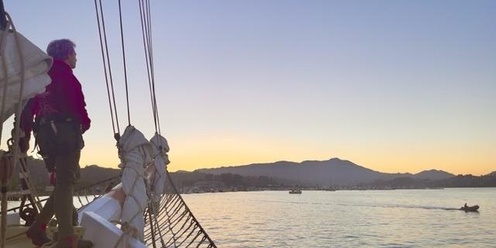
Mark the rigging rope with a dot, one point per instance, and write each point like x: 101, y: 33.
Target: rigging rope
x: 3, y: 43
x: 107, y: 67
x: 145, y: 16
x: 124, y: 64
x: 14, y: 155
x: 23, y: 171
x: 182, y: 229
x: 175, y: 223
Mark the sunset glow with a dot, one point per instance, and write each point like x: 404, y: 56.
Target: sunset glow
x: 393, y: 86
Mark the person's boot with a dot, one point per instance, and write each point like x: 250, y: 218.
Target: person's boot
x: 72, y: 241
x: 37, y: 234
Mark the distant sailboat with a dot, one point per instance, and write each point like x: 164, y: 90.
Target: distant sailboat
x: 296, y: 189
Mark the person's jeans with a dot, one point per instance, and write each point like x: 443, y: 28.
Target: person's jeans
x: 67, y: 172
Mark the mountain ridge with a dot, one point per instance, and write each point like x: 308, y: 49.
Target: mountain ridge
x: 332, y: 172
x: 326, y: 173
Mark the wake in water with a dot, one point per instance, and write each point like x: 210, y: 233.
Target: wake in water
x: 466, y: 209
x: 473, y: 209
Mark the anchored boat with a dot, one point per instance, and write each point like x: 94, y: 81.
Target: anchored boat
x: 295, y: 191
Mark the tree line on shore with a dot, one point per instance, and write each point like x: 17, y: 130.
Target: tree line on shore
x: 183, y: 179
x: 190, y: 179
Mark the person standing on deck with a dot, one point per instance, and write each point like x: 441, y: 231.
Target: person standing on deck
x: 60, y: 119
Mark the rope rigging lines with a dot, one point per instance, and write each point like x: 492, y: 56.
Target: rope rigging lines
x: 168, y: 220
x: 16, y: 76
x: 145, y: 16
x: 102, y: 33
x: 146, y: 30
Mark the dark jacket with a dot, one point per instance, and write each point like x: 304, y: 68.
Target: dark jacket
x: 62, y: 97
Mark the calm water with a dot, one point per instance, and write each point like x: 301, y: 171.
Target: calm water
x: 390, y: 218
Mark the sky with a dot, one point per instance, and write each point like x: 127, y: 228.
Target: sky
x: 394, y: 86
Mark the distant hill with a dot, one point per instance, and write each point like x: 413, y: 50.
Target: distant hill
x: 333, y: 172
x: 433, y: 175
x: 89, y: 174
x: 94, y: 173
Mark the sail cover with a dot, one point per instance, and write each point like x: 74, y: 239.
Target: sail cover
x: 23, y: 71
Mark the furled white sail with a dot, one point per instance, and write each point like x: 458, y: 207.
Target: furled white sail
x: 156, y: 174
x: 142, y: 161
x: 134, y: 152
x: 23, y: 71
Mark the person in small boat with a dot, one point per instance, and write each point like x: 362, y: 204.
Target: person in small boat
x: 60, y: 119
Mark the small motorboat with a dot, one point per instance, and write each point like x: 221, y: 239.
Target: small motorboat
x: 474, y: 208
x: 295, y: 191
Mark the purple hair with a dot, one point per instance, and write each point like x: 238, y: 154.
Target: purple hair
x: 60, y: 49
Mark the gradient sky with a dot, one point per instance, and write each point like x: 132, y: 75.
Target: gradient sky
x: 394, y: 86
